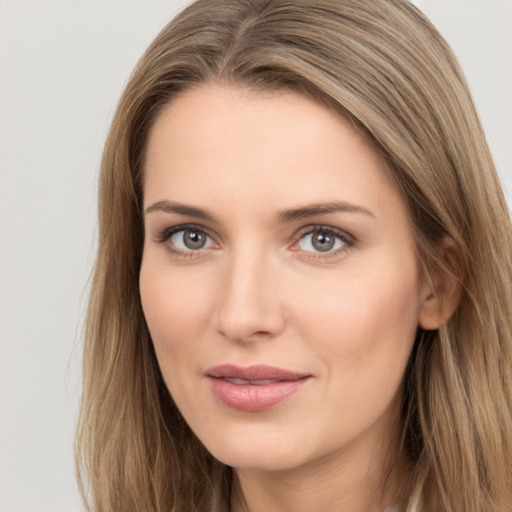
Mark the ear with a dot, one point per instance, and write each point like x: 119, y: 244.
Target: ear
x: 443, y: 286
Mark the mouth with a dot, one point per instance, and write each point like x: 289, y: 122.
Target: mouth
x: 255, y: 388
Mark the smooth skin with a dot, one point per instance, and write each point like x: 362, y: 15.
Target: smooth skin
x: 275, y: 236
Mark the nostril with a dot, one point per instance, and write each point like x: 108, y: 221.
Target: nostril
x: 247, y: 336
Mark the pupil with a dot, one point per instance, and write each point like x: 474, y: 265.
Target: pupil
x: 194, y: 239
x: 323, y: 241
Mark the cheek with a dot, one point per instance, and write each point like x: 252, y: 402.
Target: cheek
x: 363, y: 323
x: 176, y: 306
x: 361, y: 333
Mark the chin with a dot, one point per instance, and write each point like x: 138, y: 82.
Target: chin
x: 270, y: 461
x: 263, y: 451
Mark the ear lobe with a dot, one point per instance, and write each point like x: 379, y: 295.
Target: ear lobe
x: 444, y: 286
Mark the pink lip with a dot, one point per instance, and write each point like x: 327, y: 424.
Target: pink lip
x: 255, y: 388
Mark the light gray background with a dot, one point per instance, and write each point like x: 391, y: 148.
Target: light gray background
x: 62, y: 67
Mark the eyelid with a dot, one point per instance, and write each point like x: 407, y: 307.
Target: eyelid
x: 163, y: 236
x: 347, y: 239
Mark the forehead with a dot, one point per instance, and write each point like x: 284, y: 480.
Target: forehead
x: 221, y: 145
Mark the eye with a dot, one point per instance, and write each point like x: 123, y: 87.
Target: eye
x: 186, y: 241
x: 190, y: 239
x: 323, y: 240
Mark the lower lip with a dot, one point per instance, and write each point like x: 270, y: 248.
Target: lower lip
x: 254, y: 398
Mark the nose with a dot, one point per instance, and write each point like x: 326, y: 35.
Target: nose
x: 249, y: 307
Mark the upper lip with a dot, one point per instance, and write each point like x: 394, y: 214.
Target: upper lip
x: 256, y: 372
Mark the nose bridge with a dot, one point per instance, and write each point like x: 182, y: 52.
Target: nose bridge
x: 248, y: 306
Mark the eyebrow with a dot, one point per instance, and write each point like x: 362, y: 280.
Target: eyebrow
x: 313, y: 210
x: 283, y: 216
x: 181, y: 209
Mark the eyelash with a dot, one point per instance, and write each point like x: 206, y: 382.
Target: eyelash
x: 347, y: 240
x: 167, y: 233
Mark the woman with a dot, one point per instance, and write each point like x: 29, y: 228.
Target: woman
x: 303, y: 286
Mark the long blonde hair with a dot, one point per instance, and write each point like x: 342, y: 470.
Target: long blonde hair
x: 382, y: 65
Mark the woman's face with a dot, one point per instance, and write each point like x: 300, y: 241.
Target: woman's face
x: 279, y: 278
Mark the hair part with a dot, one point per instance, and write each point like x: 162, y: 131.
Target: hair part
x: 381, y: 65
